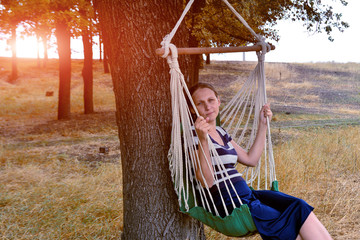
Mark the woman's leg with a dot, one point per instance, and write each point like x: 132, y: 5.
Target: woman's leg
x: 313, y: 229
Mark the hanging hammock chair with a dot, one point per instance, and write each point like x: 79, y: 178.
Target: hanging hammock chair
x: 239, y: 118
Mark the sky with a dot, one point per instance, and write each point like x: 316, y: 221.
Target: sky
x: 295, y: 45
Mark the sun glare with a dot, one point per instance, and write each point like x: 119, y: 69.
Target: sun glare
x: 28, y: 48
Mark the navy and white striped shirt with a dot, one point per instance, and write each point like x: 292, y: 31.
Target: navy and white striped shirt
x: 228, y: 157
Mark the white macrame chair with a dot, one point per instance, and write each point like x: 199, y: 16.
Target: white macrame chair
x: 241, y: 113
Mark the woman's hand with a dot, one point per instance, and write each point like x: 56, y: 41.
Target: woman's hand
x: 264, y: 113
x: 251, y: 158
x: 203, y: 170
x: 202, y: 127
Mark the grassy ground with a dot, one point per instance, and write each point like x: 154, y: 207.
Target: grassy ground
x: 54, y: 183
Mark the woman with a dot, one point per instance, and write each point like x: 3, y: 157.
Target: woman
x: 275, y: 214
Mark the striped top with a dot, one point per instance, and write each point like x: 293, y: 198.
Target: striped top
x: 228, y: 157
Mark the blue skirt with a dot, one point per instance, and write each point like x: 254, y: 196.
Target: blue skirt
x: 275, y: 214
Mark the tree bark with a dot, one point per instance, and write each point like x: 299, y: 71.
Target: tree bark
x: 14, y: 71
x: 208, y: 58
x: 62, y: 33
x: 132, y: 32
x: 87, y: 72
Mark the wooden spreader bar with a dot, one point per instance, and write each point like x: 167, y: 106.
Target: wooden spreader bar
x: 205, y: 50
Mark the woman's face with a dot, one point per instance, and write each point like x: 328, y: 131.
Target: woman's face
x: 206, y: 103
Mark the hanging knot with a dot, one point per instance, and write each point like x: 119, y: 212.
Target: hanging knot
x: 265, y: 47
x: 165, y: 44
x: 172, y: 57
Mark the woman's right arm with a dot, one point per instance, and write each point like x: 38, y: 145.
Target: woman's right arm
x: 204, y: 171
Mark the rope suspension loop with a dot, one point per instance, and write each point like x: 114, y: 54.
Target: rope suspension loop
x: 167, y: 39
x: 265, y: 48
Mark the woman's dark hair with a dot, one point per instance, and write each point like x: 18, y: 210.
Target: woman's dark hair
x: 201, y: 85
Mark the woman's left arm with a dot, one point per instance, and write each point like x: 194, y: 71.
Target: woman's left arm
x: 252, y: 157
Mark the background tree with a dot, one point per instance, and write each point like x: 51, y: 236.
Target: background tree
x: 67, y: 21
x: 191, y: 19
x: 105, y: 60
x: 62, y: 15
x: 87, y: 16
x: 132, y: 30
x: 103, y: 52
x: 216, y: 25
x: 40, y: 23
x: 12, y: 13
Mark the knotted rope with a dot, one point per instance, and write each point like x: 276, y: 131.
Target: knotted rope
x: 167, y: 39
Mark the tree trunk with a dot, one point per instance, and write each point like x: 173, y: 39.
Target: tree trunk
x: 100, y: 48
x: 208, y: 58
x: 133, y: 30
x: 14, y: 71
x: 193, y: 42
x: 45, y: 44
x: 63, y: 41
x: 38, y: 50
x: 87, y: 72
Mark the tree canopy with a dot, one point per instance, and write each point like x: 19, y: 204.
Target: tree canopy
x: 216, y: 25
x: 11, y: 14
x: 213, y: 25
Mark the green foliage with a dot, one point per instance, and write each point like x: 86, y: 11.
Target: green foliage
x: 216, y: 24
x: 39, y: 16
x: 213, y: 25
x: 77, y: 14
x: 318, y: 17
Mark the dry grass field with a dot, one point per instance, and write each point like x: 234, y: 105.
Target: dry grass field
x: 54, y: 183
x: 316, y: 133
